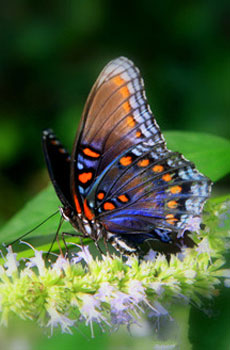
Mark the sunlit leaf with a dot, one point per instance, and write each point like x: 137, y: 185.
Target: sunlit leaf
x: 210, y: 153
x: 33, y: 213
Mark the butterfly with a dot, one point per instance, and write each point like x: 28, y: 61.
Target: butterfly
x: 121, y: 183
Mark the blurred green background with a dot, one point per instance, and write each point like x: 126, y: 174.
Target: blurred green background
x: 52, y: 52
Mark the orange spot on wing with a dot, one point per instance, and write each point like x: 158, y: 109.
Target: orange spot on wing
x: 167, y: 177
x: 130, y: 121
x: 158, y: 168
x: 126, y: 160
x: 138, y: 133
x: 62, y: 150
x: 175, y: 189
x: 172, y: 204
x: 171, y: 219
x: 143, y: 162
x: 88, y: 213
x: 125, y: 92
x: 126, y: 107
x: 88, y: 152
x: 118, y: 80
x: 54, y: 142
x: 77, y: 204
x: 85, y: 177
x: 100, y: 195
x: 109, y: 206
x: 123, y: 198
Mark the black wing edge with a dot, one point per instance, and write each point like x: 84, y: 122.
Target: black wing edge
x: 58, y: 163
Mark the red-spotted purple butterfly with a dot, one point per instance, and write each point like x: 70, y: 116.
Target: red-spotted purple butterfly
x: 121, y: 183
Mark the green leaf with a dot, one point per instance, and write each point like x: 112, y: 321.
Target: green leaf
x: 35, y: 211
x: 210, y: 153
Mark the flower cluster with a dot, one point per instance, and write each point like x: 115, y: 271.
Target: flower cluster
x: 111, y: 291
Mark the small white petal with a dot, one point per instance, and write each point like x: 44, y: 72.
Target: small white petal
x: 136, y: 291
x: 58, y: 319
x: 105, y: 292
x: 37, y: 261
x: 61, y: 264
x: 157, y: 287
x: 83, y: 254
x: 11, y: 263
x: 151, y: 256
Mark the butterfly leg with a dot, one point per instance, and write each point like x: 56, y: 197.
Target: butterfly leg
x: 106, y: 246
x: 63, y: 234
x: 56, y: 239
x: 81, y: 237
x: 98, y: 247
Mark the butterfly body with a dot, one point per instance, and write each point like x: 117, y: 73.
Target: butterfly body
x: 121, y: 183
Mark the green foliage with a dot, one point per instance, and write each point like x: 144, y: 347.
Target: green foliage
x: 210, y: 153
x: 32, y: 215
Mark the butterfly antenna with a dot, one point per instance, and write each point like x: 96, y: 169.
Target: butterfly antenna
x: 56, y: 239
x: 33, y: 229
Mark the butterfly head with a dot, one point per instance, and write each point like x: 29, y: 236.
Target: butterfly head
x: 67, y: 213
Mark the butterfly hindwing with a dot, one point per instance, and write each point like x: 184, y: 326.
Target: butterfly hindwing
x: 151, y: 194
x: 58, y: 164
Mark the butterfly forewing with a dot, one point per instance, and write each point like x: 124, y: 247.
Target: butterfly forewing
x: 116, y: 117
